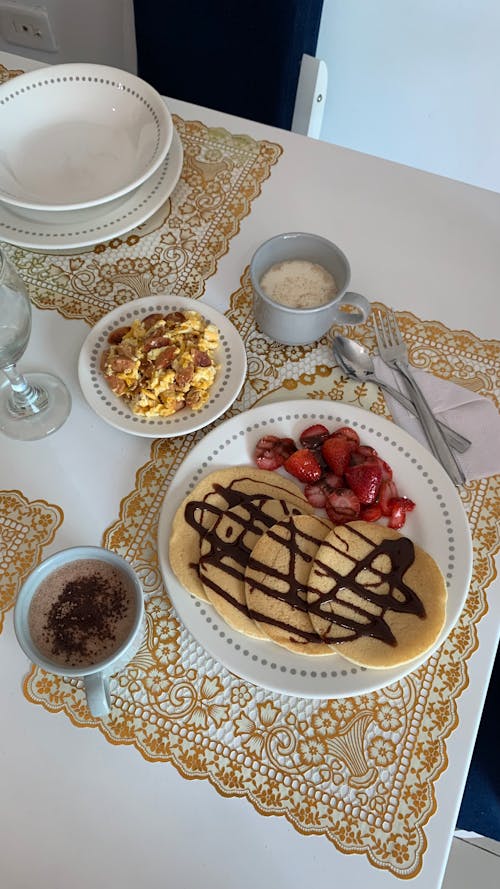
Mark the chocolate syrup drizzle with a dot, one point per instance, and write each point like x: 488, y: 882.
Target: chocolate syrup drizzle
x: 401, y: 554
x: 397, y: 595
x: 232, y: 556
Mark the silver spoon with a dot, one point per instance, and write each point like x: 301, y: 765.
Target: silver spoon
x: 357, y: 362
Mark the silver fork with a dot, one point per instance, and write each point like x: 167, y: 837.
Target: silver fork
x: 394, y: 352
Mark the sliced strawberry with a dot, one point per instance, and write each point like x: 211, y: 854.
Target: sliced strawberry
x: 314, y: 436
x: 405, y: 502
x: 356, y: 459
x: 348, y: 433
x: 398, y: 515
x: 342, y: 506
x: 332, y: 481
x: 271, y: 451
x: 303, y: 465
x: 387, y: 493
x: 386, y: 469
x: 399, y: 507
x: 364, y: 480
x: 370, y: 513
x: 318, y: 492
x: 286, y: 447
x: 316, y: 495
x: 336, y: 451
x: 366, y: 451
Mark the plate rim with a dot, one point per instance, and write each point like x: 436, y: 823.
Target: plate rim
x: 176, y: 494
x: 42, y: 243
x: 217, y: 318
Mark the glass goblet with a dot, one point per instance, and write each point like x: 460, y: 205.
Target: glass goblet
x: 32, y: 407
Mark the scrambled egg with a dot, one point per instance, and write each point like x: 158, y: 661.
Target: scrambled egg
x: 162, y: 363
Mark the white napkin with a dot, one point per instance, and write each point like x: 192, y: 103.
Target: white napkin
x: 464, y: 411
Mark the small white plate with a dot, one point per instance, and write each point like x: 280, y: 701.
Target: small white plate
x: 438, y: 524
x: 231, y: 356
x: 82, y: 228
x: 75, y: 135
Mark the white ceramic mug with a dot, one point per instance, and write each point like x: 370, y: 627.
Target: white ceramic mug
x: 95, y: 677
x: 293, y: 326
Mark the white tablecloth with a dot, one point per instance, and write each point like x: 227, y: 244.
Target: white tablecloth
x: 78, y: 811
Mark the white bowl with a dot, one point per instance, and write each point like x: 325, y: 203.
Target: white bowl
x: 78, y: 135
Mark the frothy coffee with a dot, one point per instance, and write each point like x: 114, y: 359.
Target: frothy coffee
x: 82, y: 613
x: 299, y: 284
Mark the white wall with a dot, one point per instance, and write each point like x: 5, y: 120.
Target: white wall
x: 99, y: 31
x: 416, y: 81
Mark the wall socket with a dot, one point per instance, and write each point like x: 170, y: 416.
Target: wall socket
x: 27, y: 26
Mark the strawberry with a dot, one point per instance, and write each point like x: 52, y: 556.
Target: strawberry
x: 348, y: 433
x: 313, y: 436
x: 303, y: 465
x: 342, y: 506
x: 364, y: 480
x: 387, y: 492
x: 332, y: 481
x: 271, y: 451
x: 356, y: 458
x: 336, y: 451
x: 316, y: 495
x: 397, y: 517
x: 318, y: 492
x: 399, y: 506
x: 366, y: 451
x: 386, y: 469
x: 405, y: 502
x: 370, y: 513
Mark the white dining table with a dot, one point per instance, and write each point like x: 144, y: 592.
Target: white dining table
x: 79, y: 811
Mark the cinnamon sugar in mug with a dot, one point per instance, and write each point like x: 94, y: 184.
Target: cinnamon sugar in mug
x: 303, y: 322
x: 80, y: 614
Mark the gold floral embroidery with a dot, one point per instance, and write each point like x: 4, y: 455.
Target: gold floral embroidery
x: 6, y: 75
x: 26, y: 527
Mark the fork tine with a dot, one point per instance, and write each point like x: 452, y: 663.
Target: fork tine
x: 397, y: 338
x: 377, y: 326
x: 384, y: 334
x: 386, y: 328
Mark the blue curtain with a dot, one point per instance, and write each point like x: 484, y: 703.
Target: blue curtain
x: 242, y: 58
x: 480, y: 809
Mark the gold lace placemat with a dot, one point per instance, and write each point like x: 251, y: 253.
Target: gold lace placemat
x: 360, y: 771
x: 6, y: 75
x: 26, y: 526
x: 177, y: 249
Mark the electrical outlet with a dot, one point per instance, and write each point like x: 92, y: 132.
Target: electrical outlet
x: 27, y: 26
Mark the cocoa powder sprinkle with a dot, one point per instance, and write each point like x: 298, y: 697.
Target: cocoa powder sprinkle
x: 87, y: 608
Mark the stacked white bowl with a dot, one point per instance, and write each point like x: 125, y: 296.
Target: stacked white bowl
x: 87, y: 152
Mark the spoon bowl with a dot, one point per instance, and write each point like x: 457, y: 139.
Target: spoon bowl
x: 356, y: 361
x: 353, y: 358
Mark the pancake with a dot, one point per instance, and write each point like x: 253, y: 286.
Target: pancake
x: 276, y: 582
x: 225, y: 551
x: 377, y: 596
x: 212, y: 496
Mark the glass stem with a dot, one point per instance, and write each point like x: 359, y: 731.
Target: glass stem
x: 24, y: 400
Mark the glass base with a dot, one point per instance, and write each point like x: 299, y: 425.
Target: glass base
x: 46, y: 415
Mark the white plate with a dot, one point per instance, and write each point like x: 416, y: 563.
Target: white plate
x: 77, y: 134
x: 82, y: 228
x: 438, y: 524
x: 231, y: 356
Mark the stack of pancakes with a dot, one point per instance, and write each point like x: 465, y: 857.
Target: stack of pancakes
x: 248, y: 541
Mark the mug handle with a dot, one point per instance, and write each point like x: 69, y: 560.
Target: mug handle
x: 97, y: 691
x: 354, y: 299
